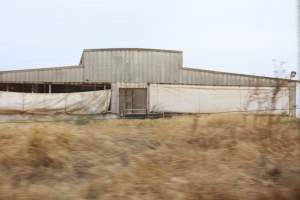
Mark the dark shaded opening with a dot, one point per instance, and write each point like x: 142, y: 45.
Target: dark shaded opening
x: 52, y: 88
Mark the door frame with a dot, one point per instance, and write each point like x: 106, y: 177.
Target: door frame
x: 123, y: 99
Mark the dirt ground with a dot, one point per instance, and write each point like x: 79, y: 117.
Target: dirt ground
x: 223, y: 157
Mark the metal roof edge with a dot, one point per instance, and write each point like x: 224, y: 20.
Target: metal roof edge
x: 132, y: 49
x: 237, y: 74
x: 43, y: 68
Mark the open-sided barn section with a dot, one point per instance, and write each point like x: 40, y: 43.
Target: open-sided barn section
x: 153, y: 80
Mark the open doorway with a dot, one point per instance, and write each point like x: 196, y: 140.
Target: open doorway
x: 133, y: 101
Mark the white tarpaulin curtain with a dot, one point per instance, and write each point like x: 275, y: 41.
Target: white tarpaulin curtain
x: 94, y: 102
x: 214, y: 99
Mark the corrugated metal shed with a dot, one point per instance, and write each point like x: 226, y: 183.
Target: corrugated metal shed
x: 137, y: 68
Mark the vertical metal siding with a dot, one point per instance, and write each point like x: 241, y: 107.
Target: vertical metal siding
x: 68, y: 74
x: 199, y: 77
x: 134, y: 66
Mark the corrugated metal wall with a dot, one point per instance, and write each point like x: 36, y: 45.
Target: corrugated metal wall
x: 132, y: 66
x: 205, y: 77
x: 135, y: 66
x: 61, y: 74
x: 154, y: 66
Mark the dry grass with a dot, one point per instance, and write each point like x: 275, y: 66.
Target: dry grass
x: 203, y: 158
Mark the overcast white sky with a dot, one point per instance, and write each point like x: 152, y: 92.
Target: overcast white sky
x: 242, y: 36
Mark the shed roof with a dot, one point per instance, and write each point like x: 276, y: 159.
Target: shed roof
x: 132, y: 49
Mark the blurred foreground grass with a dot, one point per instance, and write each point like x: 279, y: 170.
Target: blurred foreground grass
x: 203, y: 158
